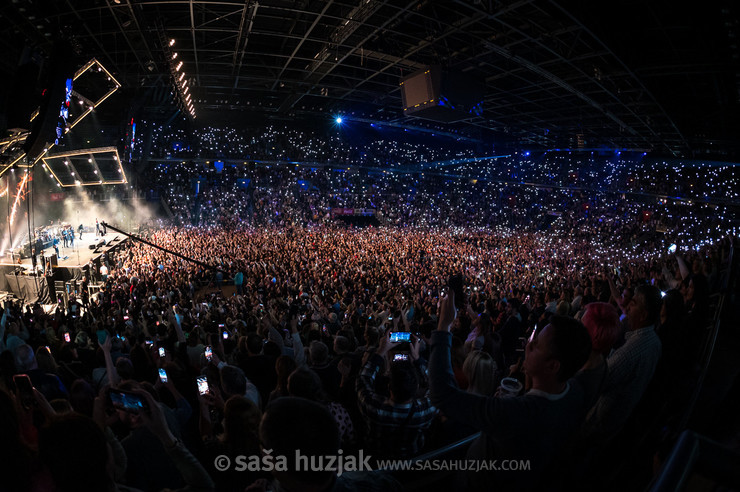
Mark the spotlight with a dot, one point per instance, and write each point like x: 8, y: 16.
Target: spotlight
x: 174, y: 56
x: 339, y: 120
x: 172, y: 41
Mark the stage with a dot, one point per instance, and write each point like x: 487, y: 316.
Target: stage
x: 71, y: 257
x: 61, y: 279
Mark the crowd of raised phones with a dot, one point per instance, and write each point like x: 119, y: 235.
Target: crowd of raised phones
x: 282, y: 335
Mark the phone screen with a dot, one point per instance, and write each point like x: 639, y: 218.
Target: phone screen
x: 209, y: 353
x: 161, y: 351
x: 25, y: 390
x: 162, y: 375
x: 67, y: 338
x: 400, y: 336
x: 225, y: 334
x: 400, y: 357
x: 128, y: 402
x: 202, y: 385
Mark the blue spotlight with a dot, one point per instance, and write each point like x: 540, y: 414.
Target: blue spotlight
x: 526, y: 154
x: 339, y: 120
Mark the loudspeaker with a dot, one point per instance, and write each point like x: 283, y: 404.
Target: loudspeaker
x: 52, y: 261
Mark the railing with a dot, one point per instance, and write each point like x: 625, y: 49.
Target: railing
x: 708, y: 351
x: 696, y: 457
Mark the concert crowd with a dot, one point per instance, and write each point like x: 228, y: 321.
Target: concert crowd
x: 550, y: 320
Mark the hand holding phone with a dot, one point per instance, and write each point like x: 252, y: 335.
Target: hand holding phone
x: 128, y: 401
x: 209, y: 353
x: 202, y: 385
x: 400, y: 356
x: 24, y: 389
x: 400, y: 336
x: 161, y: 354
x: 162, y: 375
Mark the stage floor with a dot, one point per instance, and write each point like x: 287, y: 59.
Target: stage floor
x: 78, y: 256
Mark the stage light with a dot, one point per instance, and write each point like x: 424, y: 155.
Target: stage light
x: 181, y: 77
x: 174, y: 56
x: 172, y: 41
x: 339, y: 120
x: 179, y: 66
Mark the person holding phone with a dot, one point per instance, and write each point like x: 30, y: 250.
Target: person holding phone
x: 72, y: 438
x: 45, y: 382
x: 396, y: 425
x: 535, y: 426
x: 150, y: 466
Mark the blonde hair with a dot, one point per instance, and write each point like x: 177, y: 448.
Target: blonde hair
x: 480, y: 369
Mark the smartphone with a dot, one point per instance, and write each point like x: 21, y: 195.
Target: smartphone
x: 209, y: 353
x: 400, y: 357
x: 324, y: 329
x: 67, y: 337
x: 161, y: 352
x: 127, y: 401
x: 221, y: 326
x: 125, y: 318
x: 162, y: 374
x: 149, y: 343
x: 390, y: 318
x: 400, y: 336
x: 456, y: 285
x: 47, y: 348
x: 225, y: 334
x: 24, y: 388
x: 202, y: 385
x: 522, y: 343
x: 672, y: 248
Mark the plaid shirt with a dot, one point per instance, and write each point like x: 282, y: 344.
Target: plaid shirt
x: 630, y: 369
x: 394, y: 430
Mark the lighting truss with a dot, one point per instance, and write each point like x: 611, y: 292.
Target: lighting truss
x: 178, y: 77
x: 18, y: 159
x: 86, y: 167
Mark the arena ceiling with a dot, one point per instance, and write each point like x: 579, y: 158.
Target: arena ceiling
x: 656, y: 75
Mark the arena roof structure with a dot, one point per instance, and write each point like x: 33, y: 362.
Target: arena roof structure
x: 657, y: 75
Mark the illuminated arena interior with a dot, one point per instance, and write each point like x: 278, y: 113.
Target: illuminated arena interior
x: 489, y: 245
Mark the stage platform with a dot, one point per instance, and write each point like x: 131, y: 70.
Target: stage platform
x: 72, y: 264
x: 78, y: 256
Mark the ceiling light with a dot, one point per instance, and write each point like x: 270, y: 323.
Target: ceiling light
x: 172, y: 41
x: 174, y: 56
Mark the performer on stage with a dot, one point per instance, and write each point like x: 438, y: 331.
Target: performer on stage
x: 80, y: 229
